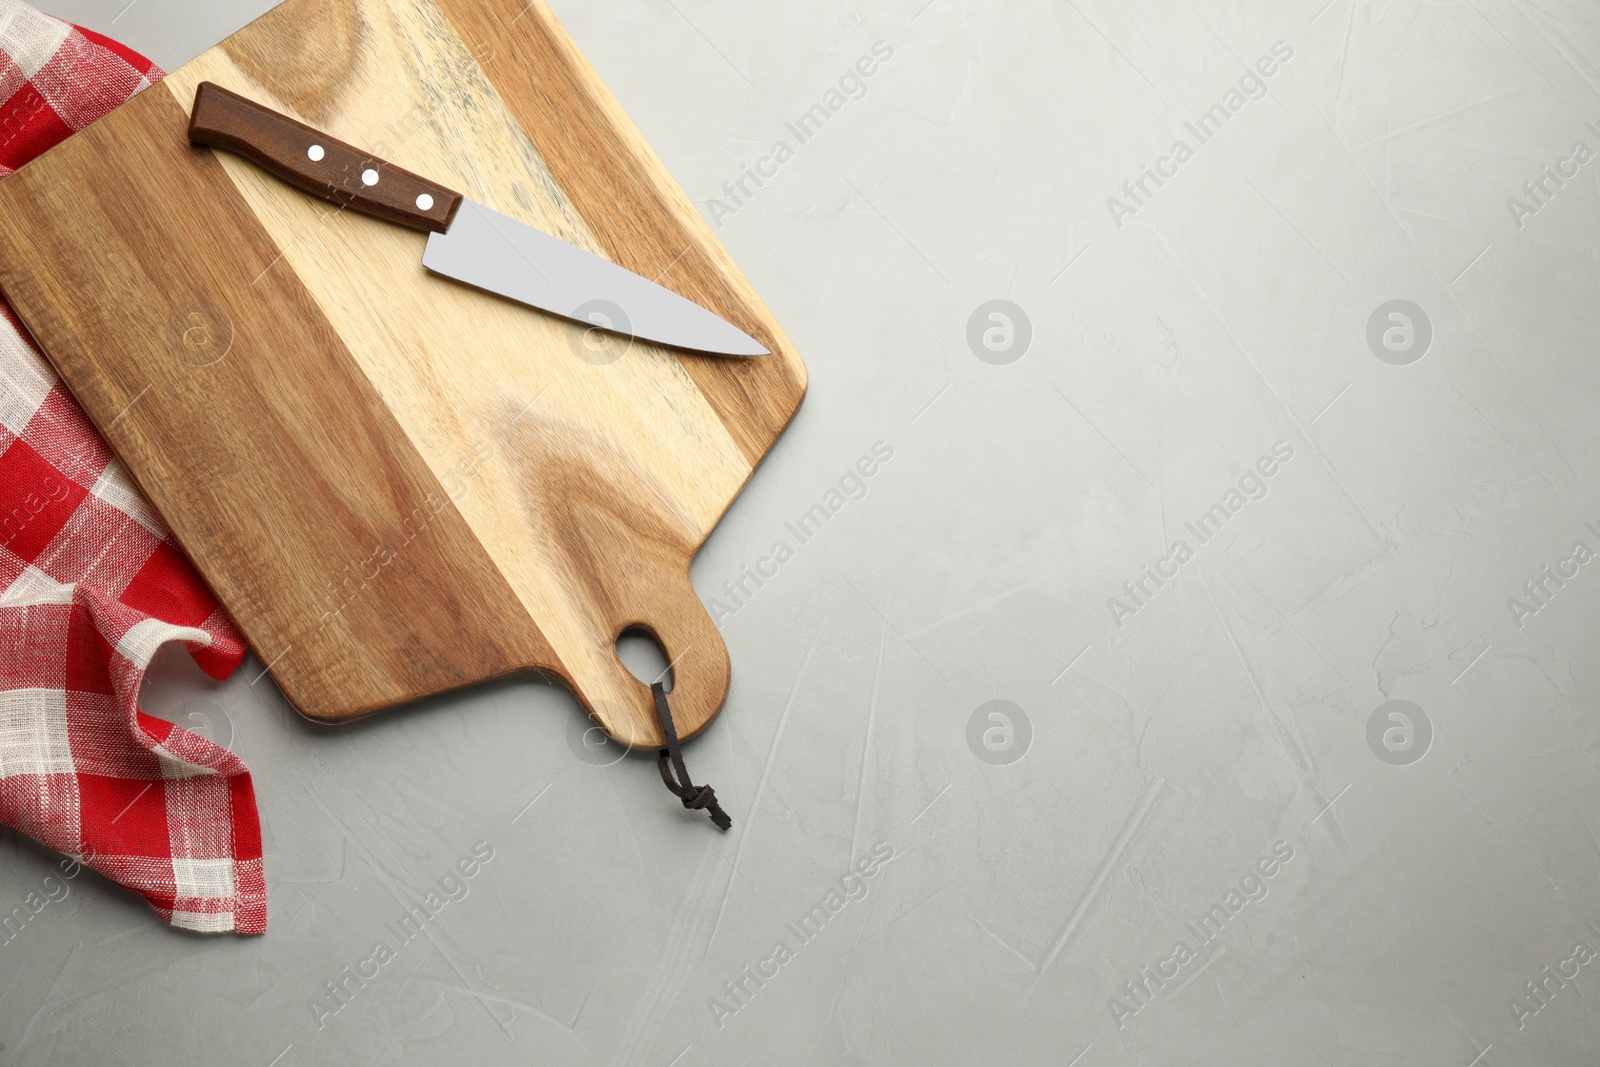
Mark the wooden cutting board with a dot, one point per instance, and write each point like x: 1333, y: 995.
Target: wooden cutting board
x: 398, y: 485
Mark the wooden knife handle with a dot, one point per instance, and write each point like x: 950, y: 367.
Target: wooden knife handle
x: 317, y: 163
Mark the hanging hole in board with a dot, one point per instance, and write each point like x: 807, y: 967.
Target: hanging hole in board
x: 644, y: 657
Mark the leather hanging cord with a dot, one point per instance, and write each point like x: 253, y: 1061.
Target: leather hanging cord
x: 694, y: 797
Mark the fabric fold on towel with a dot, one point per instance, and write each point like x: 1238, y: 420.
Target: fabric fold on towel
x: 92, y: 585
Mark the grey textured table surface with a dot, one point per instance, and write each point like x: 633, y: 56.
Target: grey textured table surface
x: 1275, y: 578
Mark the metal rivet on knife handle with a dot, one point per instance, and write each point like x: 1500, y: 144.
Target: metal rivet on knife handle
x: 311, y: 160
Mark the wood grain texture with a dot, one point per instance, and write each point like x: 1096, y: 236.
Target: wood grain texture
x: 311, y: 61
x: 310, y: 160
x: 573, y: 485
x: 638, y: 214
x: 278, y: 466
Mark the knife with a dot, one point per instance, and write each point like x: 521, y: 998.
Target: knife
x: 466, y: 241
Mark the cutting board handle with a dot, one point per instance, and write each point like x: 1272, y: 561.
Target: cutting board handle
x: 700, y: 670
x: 321, y: 165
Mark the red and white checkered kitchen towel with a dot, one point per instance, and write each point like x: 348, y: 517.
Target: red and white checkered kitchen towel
x: 91, y: 585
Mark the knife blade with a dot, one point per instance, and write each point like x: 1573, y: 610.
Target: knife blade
x: 468, y: 242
